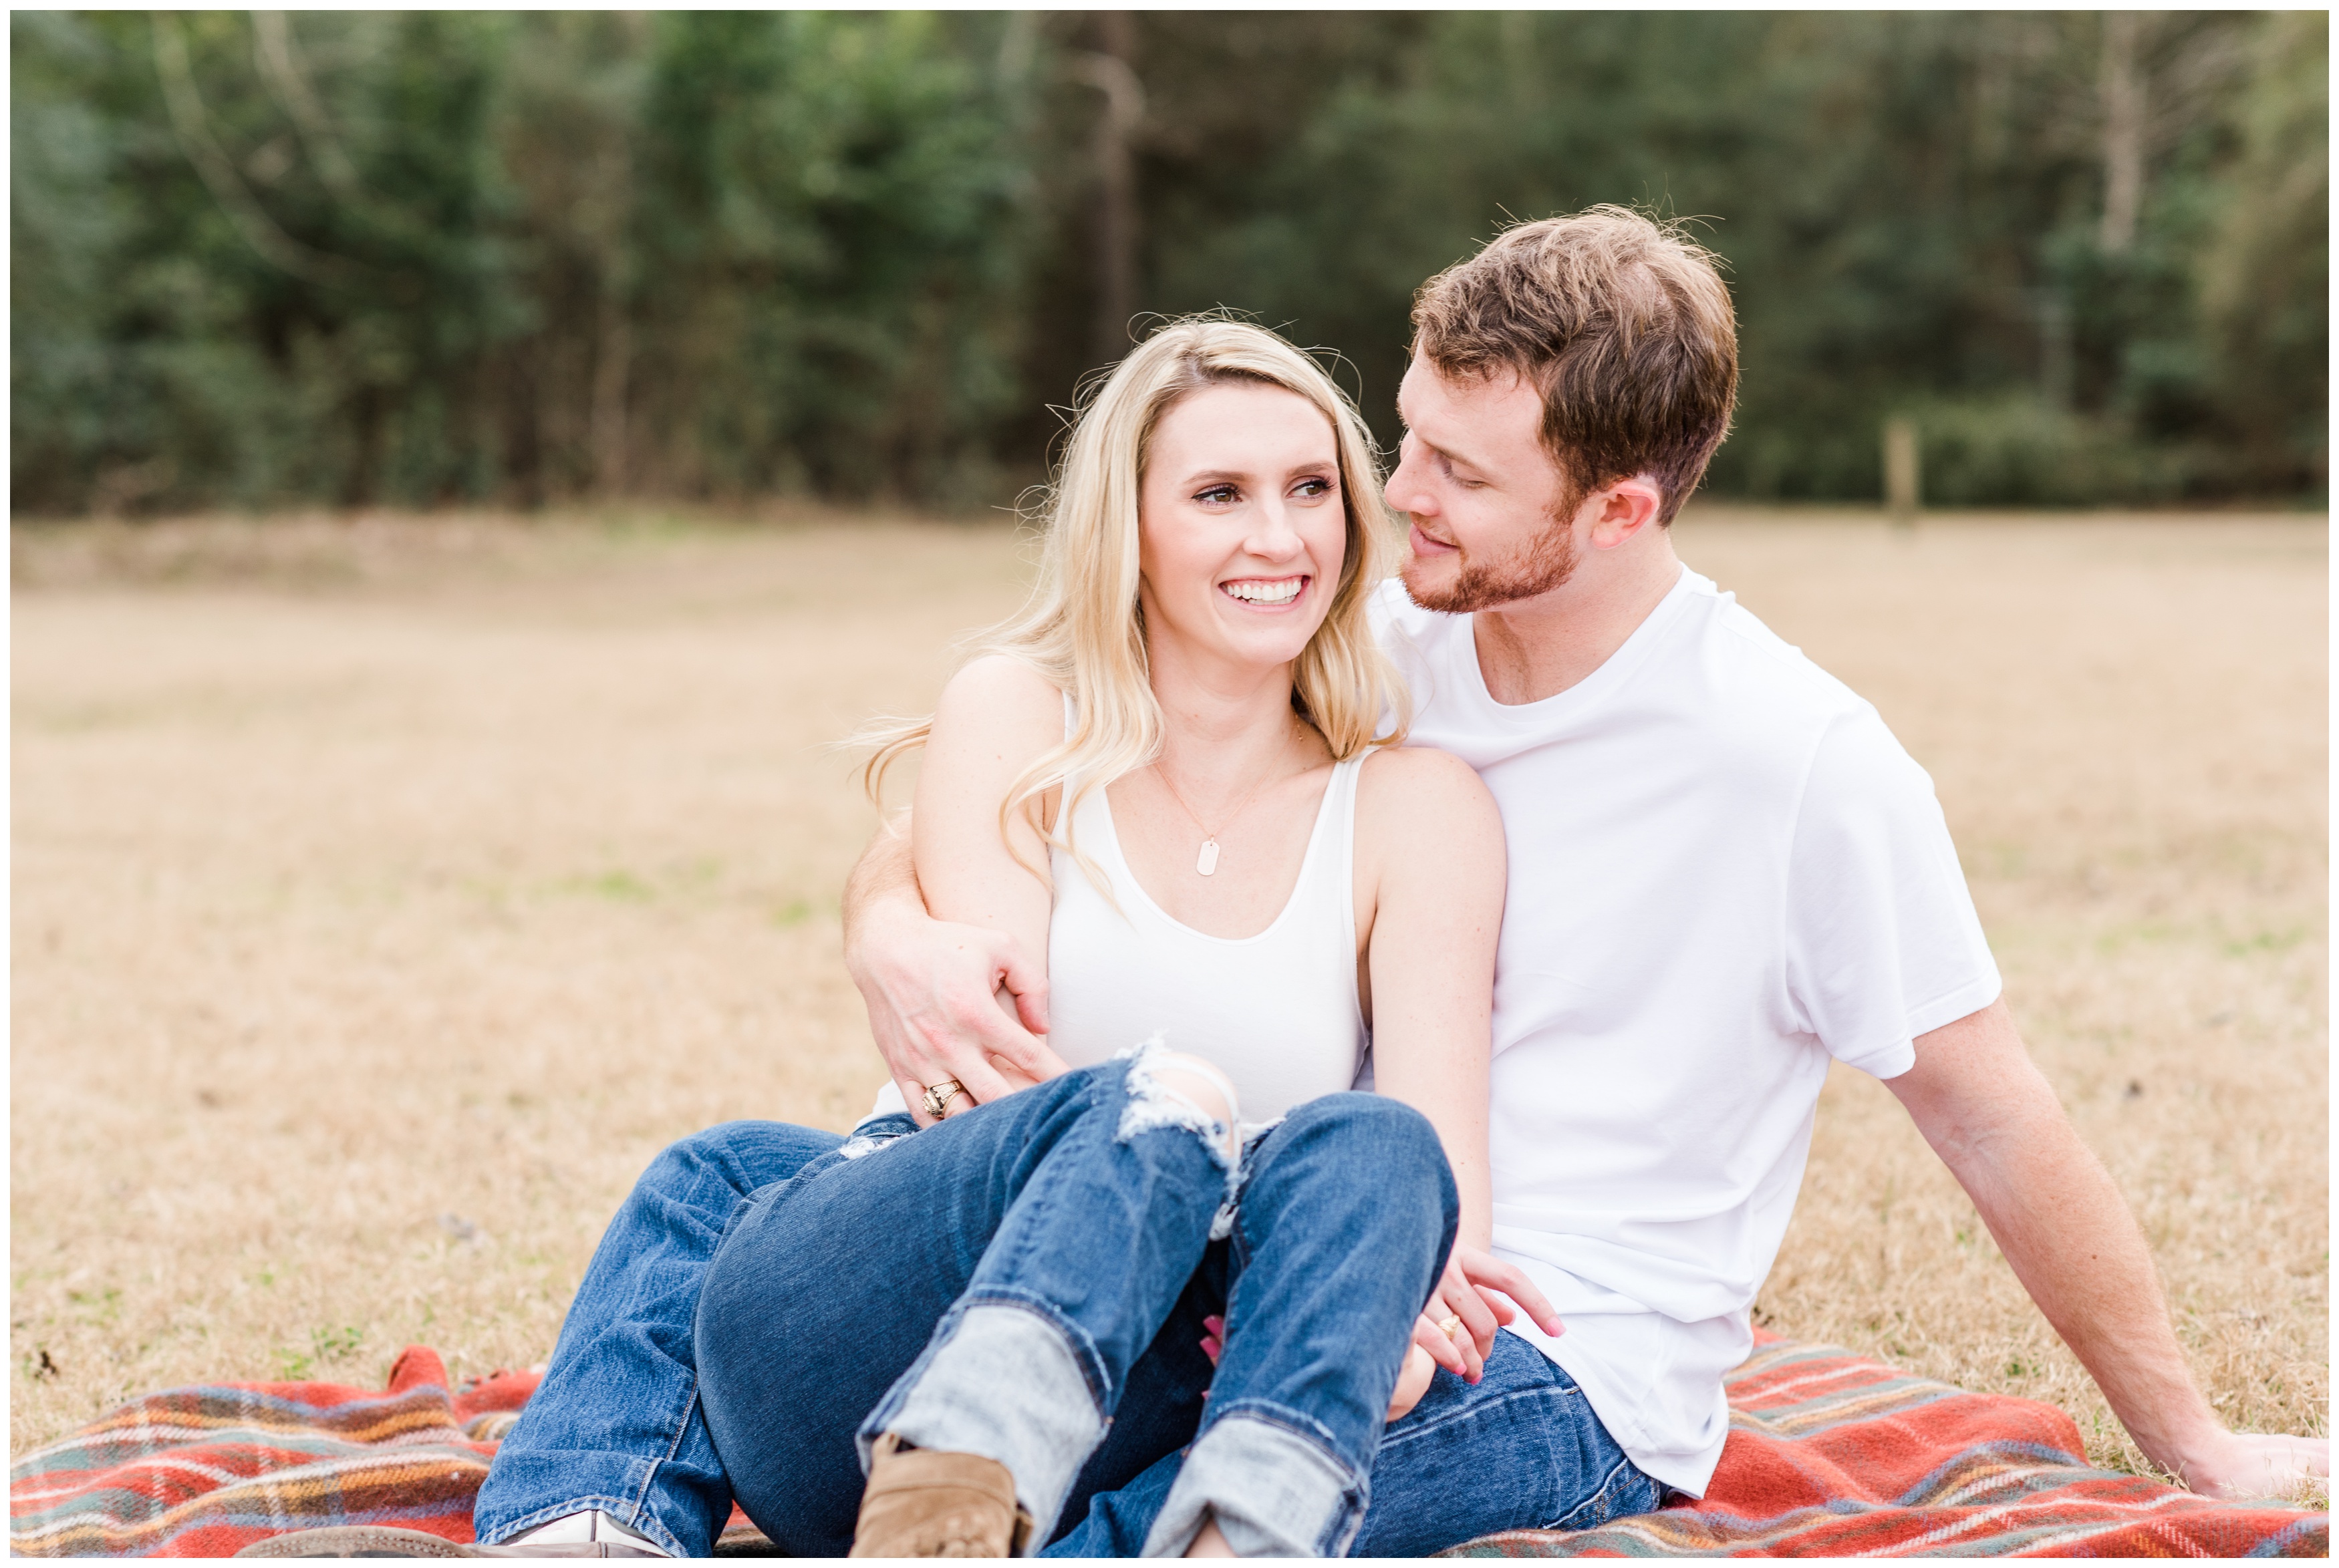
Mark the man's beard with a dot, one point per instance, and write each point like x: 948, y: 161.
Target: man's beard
x: 1539, y: 566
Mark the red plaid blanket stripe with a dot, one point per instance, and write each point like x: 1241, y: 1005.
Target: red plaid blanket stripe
x: 1829, y: 1455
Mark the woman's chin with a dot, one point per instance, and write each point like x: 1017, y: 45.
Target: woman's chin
x: 1266, y: 653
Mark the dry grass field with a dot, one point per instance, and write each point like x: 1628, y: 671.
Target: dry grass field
x: 386, y: 892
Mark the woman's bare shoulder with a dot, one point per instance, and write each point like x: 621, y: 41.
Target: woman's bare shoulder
x: 1001, y: 694
x: 1418, y: 806
x: 997, y: 716
x: 1408, y: 779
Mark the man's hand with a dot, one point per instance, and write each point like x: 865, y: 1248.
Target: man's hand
x: 1480, y: 1289
x: 938, y: 993
x: 932, y: 991
x: 2241, y: 1465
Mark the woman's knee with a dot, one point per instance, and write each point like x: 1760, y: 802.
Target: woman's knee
x: 1404, y: 1131
x: 1391, y: 1140
x: 1169, y: 1088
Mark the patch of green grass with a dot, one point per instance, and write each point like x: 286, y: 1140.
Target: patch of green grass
x: 619, y: 886
x: 336, y: 1344
x: 99, y: 1307
x: 2265, y: 942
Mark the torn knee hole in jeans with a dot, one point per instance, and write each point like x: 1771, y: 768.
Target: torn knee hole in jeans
x: 1167, y: 1089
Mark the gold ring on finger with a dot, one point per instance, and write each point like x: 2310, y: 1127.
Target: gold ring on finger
x: 1448, y: 1324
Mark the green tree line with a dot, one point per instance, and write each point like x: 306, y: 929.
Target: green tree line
x: 279, y: 258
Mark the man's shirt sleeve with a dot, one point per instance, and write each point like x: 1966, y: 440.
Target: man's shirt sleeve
x: 1882, y: 941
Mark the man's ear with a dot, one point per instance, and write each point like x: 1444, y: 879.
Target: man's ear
x: 1625, y: 510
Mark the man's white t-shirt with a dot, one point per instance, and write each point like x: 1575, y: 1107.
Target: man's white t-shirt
x: 1724, y: 873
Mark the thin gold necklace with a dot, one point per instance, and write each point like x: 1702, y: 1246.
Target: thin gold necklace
x: 1206, y: 863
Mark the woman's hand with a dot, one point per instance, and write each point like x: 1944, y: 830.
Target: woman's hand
x: 1482, y: 1293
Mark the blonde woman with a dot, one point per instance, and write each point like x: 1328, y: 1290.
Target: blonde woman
x: 1172, y: 776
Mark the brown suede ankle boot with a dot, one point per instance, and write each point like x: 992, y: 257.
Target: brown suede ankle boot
x: 922, y: 1503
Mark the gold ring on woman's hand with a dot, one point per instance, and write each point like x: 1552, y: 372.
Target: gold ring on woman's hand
x: 1448, y: 1324
x: 938, y: 1097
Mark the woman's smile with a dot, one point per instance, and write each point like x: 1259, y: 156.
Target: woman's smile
x: 1265, y: 594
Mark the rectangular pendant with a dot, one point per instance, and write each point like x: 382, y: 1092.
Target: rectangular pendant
x: 1208, y: 860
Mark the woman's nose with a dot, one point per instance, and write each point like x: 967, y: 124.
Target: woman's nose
x: 1273, y: 537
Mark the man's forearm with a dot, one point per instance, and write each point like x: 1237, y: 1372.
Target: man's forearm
x: 2071, y: 1241
x: 884, y: 877
x: 2062, y: 1225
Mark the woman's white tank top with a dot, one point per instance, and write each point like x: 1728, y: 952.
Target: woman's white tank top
x: 1277, y: 1013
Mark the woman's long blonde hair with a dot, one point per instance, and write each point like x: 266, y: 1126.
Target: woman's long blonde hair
x: 1084, y: 629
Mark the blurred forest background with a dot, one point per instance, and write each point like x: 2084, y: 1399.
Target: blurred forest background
x: 273, y: 259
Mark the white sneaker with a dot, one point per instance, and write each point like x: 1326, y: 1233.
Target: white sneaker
x: 591, y: 1533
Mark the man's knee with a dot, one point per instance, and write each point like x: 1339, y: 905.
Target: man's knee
x: 740, y: 1155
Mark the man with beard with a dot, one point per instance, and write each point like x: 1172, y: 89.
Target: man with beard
x: 1724, y: 875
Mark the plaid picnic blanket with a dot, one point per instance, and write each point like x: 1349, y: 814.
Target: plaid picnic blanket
x: 1829, y: 1455
x: 204, y: 1471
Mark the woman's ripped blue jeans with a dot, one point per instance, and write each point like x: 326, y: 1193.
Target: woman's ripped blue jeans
x: 885, y: 1283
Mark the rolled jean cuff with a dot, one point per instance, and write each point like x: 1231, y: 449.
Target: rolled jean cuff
x: 1274, y: 1490
x: 1003, y: 1377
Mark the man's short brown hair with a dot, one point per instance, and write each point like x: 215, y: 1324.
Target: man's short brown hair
x: 1620, y: 323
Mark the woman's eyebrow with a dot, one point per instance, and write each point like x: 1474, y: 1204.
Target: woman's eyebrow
x: 1243, y: 476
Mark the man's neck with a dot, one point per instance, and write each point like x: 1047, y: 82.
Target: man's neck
x: 1539, y: 647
